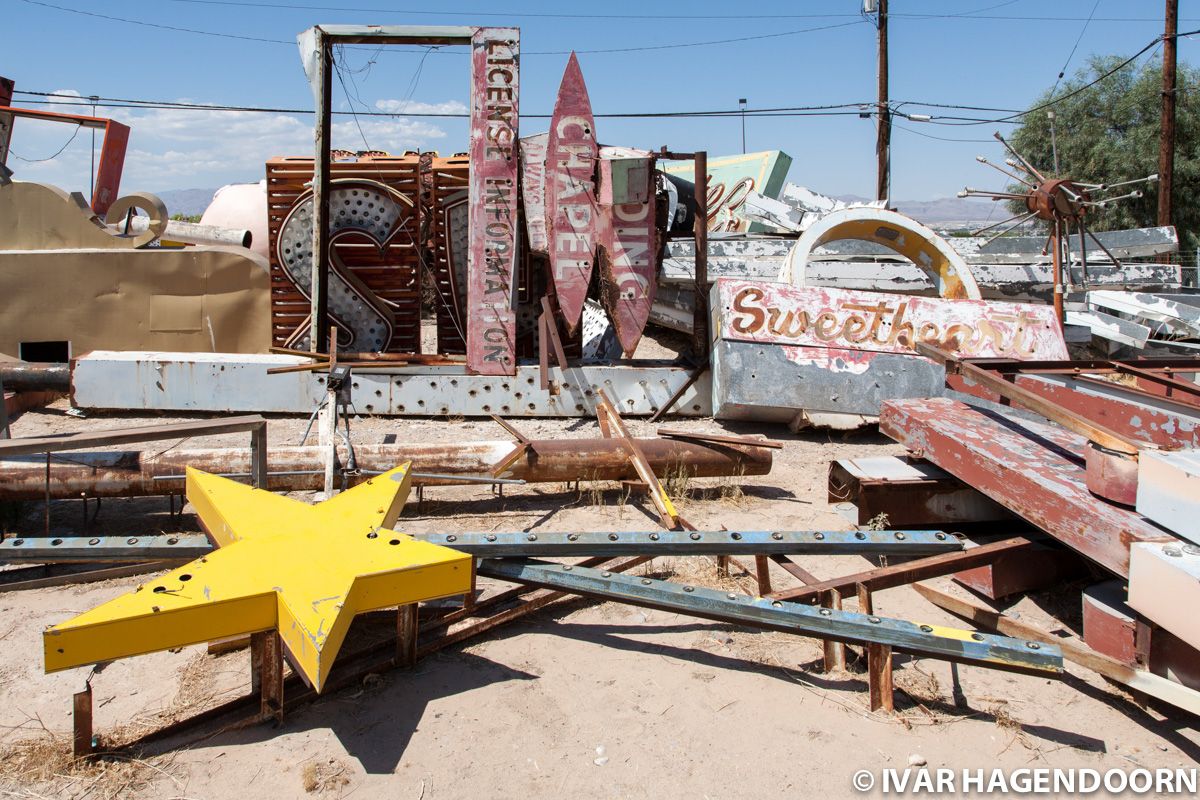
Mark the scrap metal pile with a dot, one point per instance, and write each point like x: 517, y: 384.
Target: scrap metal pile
x: 547, y: 257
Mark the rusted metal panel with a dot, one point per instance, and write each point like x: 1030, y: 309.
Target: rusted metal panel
x: 629, y: 257
x: 1041, y: 568
x: 492, y: 322
x: 912, y: 493
x: 773, y: 313
x: 1034, y: 470
x: 1109, y: 624
x: 533, y: 190
x: 574, y: 217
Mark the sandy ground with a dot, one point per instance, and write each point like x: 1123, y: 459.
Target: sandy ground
x: 581, y: 700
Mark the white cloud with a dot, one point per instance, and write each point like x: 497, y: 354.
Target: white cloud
x: 176, y: 149
x: 414, y: 107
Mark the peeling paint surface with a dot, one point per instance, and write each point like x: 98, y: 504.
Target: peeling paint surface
x: 781, y: 314
x: 574, y: 217
x: 492, y: 324
x: 1034, y: 470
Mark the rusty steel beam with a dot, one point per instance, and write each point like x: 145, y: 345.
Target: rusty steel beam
x: 921, y: 569
x: 1136, y: 415
x: 139, y: 473
x: 1034, y: 470
x: 1100, y: 434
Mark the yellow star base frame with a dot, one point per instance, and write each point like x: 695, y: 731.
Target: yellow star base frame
x: 304, y: 570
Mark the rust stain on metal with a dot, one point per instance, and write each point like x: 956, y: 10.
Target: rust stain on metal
x: 491, y: 328
x: 629, y: 261
x: 573, y: 214
x: 772, y: 313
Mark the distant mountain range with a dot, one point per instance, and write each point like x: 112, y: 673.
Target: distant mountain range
x: 945, y: 212
x: 186, y: 201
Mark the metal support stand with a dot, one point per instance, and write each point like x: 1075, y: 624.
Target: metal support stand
x: 83, y: 744
x: 879, y: 661
x: 835, y: 652
x: 549, y: 341
x: 407, y: 627
x: 722, y: 566
x: 266, y: 674
x: 763, y: 575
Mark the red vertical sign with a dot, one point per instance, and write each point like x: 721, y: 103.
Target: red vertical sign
x: 629, y: 252
x: 571, y: 194
x: 491, y: 323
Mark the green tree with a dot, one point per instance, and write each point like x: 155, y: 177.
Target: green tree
x: 1109, y: 133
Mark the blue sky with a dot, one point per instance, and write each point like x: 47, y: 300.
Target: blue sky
x: 994, y: 53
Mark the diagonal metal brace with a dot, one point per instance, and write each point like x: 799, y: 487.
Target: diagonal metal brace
x: 951, y: 644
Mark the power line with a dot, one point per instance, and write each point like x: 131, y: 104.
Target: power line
x: 600, y: 51
x: 1013, y: 118
x: 49, y: 158
x: 175, y: 28
x: 118, y: 102
x: 942, y: 138
x: 1071, y: 55
x: 968, y: 15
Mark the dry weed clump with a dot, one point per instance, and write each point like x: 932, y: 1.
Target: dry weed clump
x: 43, y: 766
x: 326, y: 777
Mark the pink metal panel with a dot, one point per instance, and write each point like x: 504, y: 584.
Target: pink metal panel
x: 573, y: 215
x: 1036, y: 471
x: 492, y: 326
x: 777, y: 313
x: 533, y: 190
x: 629, y: 263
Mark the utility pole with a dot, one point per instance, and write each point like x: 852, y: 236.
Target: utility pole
x: 883, y: 145
x: 1166, y: 140
x: 742, y: 105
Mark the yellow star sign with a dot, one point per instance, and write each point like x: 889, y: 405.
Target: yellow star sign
x: 302, y: 569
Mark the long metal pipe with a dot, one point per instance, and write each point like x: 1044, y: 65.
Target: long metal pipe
x: 133, y: 473
x: 35, y: 377
x: 191, y: 232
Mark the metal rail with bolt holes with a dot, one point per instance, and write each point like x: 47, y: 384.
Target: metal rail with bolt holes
x: 951, y: 644
x: 687, y: 543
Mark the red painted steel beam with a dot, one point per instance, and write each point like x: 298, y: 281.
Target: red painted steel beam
x: 1126, y: 415
x: 1034, y: 470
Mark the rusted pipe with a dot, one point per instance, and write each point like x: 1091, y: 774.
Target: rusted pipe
x: 132, y: 473
x: 24, y: 376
